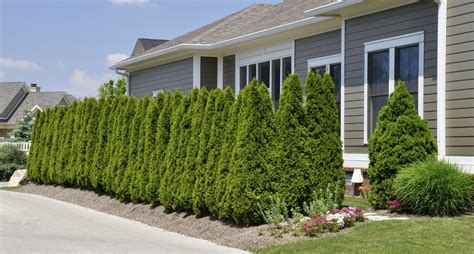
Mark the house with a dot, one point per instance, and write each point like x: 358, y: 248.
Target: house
x: 16, y: 97
x: 366, y: 45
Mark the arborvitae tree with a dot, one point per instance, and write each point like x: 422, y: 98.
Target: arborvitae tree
x: 185, y: 186
x: 65, y: 148
x: 97, y: 165
x: 246, y: 187
x: 323, y: 145
x: 184, y: 139
x: 151, y: 120
x: 289, y: 173
x: 400, y: 138
x: 219, y: 161
x: 173, y: 154
x: 128, y: 183
x: 113, y: 143
x: 55, y: 143
x: 33, y: 157
x: 205, y: 147
x: 121, y: 156
x: 90, y: 142
x: 76, y: 144
x: 158, y: 162
x: 79, y: 163
x: 46, y: 144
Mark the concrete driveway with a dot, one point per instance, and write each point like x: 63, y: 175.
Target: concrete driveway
x: 35, y: 224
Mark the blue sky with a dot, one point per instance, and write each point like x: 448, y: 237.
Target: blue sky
x: 66, y: 45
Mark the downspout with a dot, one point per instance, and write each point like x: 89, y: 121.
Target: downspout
x: 126, y: 75
x: 441, y: 76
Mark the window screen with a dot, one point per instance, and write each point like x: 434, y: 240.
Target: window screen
x: 264, y: 73
x: 378, y: 85
x: 406, y: 68
x: 243, y: 77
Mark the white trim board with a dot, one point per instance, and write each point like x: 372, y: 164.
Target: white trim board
x: 441, y: 79
x: 465, y: 162
x: 343, y: 80
x: 325, y: 60
x: 390, y: 44
x: 196, y: 71
x: 356, y: 160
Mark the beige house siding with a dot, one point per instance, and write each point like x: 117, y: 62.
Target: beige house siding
x: 460, y: 78
x: 422, y: 16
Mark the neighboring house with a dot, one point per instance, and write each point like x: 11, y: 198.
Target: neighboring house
x: 365, y: 45
x: 16, y: 97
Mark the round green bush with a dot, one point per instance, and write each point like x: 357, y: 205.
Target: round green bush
x: 433, y: 188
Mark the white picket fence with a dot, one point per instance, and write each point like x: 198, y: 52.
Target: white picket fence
x: 23, y: 146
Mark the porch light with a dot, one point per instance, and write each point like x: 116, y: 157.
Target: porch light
x: 357, y: 176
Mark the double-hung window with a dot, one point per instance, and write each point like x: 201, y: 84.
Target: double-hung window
x: 272, y: 73
x: 385, y: 62
x: 331, y: 65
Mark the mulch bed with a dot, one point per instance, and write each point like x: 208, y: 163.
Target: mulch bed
x: 209, y: 228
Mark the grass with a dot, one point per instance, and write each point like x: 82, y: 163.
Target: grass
x: 437, y: 235
x: 356, y: 202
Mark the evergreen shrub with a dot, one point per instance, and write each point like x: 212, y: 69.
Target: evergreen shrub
x: 400, y: 139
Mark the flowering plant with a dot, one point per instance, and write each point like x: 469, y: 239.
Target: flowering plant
x: 333, y: 221
x: 393, y: 205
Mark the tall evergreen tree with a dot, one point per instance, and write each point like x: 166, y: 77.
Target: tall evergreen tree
x: 204, y: 149
x: 113, y: 143
x: 102, y: 139
x: 289, y: 172
x: 400, y: 138
x: 174, y: 155
x: 24, y: 127
x: 219, y: 162
x: 157, y: 162
x: 323, y: 146
x: 149, y: 145
x: 128, y: 182
x: 246, y: 187
x: 55, y: 143
x: 79, y: 163
x: 33, y: 157
x: 62, y: 166
x: 121, y: 156
x: 186, y: 184
x: 46, y: 144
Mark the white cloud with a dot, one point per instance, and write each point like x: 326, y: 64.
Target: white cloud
x: 82, y: 84
x: 18, y: 64
x: 130, y: 2
x: 3, y: 75
x: 115, y: 58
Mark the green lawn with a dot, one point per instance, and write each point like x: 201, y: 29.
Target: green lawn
x: 437, y: 235
x: 356, y: 202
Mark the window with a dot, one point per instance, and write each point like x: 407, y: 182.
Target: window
x: 386, y: 61
x: 243, y: 77
x: 264, y: 73
x: 272, y: 73
x: 331, y: 65
x: 378, y: 84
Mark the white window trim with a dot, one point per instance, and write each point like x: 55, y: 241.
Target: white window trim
x: 270, y: 86
x: 324, y: 61
x: 390, y: 44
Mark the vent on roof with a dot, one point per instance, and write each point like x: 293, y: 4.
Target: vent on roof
x: 34, y: 88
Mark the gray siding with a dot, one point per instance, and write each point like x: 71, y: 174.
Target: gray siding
x: 229, y: 71
x: 315, y: 46
x: 170, y: 76
x: 459, y: 78
x: 411, y: 18
x: 209, y: 72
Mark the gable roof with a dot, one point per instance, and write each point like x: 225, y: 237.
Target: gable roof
x: 44, y: 100
x: 11, y: 93
x: 144, y: 44
x: 255, y: 18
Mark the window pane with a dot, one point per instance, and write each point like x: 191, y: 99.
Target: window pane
x: 378, y: 85
x: 406, y: 68
x: 243, y: 77
x: 286, y: 67
x: 335, y: 71
x: 276, y: 82
x: 320, y: 69
x: 252, y: 72
x: 264, y: 73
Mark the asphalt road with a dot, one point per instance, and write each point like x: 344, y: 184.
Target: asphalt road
x: 35, y: 224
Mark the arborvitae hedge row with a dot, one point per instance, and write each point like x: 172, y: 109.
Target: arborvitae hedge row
x: 204, y: 152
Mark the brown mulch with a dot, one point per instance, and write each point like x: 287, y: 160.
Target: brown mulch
x: 209, y: 228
